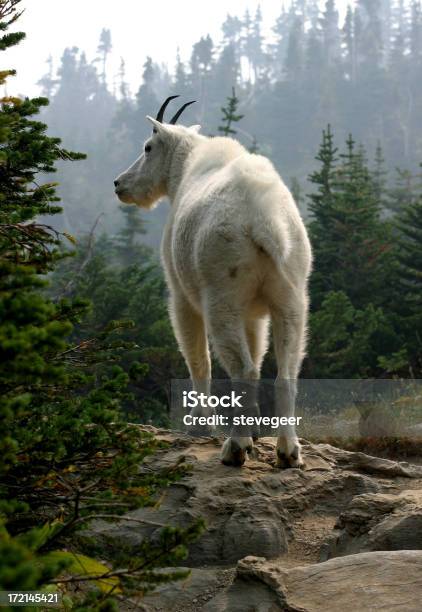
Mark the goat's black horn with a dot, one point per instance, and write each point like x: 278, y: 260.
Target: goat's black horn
x: 180, y: 111
x: 160, y: 113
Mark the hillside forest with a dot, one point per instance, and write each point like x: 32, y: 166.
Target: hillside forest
x: 335, y: 105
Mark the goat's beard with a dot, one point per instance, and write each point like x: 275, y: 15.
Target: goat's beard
x: 150, y: 199
x: 126, y: 198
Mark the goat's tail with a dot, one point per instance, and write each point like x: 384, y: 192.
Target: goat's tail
x: 272, y: 210
x: 272, y: 237
x: 269, y: 228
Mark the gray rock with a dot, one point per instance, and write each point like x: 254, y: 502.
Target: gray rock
x: 179, y: 594
x: 362, y: 582
x: 378, y: 522
x: 247, y: 511
x: 281, y: 518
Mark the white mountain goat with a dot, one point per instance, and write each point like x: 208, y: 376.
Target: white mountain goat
x: 236, y: 253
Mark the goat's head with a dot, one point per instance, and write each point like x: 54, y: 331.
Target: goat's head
x: 146, y: 180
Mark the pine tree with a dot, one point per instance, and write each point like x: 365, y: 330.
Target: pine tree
x: 124, y: 91
x: 47, y: 82
x: 349, y: 238
x: 379, y: 177
x: 330, y: 34
x: 227, y: 69
x: 279, y: 48
x: 246, y: 41
x: 104, y: 49
x: 409, y: 275
x: 201, y: 64
x: 126, y: 243
x: 180, y: 76
x: 403, y: 193
x: 370, y: 42
x: 256, y: 43
x: 231, y: 29
x: 349, y: 53
x: 294, y: 61
x: 322, y: 203
x: 230, y: 115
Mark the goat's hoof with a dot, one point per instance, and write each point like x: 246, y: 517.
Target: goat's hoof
x: 290, y: 457
x: 234, y: 454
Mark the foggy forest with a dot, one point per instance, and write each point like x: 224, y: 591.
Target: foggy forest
x: 88, y: 349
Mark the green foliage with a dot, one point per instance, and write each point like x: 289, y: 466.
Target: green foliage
x: 365, y: 287
x: 230, y: 115
x: 130, y: 299
x: 66, y: 454
x: 350, y: 240
x: 345, y: 341
x: 409, y: 279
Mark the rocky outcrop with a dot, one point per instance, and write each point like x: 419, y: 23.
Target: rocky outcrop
x: 287, y: 520
x: 362, y: 582
x: 378, y: 522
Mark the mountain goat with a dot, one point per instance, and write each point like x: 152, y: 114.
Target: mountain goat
x: 236, y: 254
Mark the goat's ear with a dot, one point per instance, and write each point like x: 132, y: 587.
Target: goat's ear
x: 195, y: 128
x: 159, y: 128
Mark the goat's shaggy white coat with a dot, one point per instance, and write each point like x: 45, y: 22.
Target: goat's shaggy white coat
x: 236, y: 254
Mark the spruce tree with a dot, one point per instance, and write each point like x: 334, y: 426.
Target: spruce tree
x: 350, y: 240
x: 104, y: 49
x: 322, y: 205
x: 409, y: 276
x: 230, y: 115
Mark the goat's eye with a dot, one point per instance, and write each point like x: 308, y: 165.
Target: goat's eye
x: 148, y: 148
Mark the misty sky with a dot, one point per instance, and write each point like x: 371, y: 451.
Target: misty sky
x: 139, y: 28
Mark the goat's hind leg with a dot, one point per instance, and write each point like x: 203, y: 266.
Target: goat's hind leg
x: 228, y: 334
x: 289, y: 323
x: 257, y: 336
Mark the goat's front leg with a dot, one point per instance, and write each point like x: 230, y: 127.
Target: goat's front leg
x: 189, y: 329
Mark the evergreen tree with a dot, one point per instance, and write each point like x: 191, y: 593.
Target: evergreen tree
x: 127, y: 242
x: 64, y: 448
x: 246, y: 41
x: 231, y: 29
x: 124, y: 91
x: 403, y: 193
x: 294, y: 61
x: 281, y: 32
x: 104, y: 49
x: 180, y: 76
x: 348, y: 236
x: 379, y: 177
x: 349, y: 50
x: 330, y: 34
x: 370, y: 40
x: 230, y: 115
x: 256, y: 43
x: 409, y: 223
x: 47, y: 82
x: 201, y: 63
